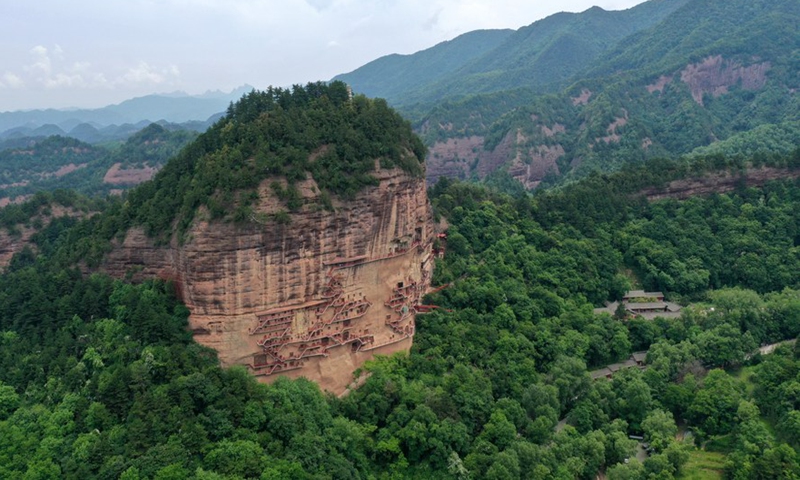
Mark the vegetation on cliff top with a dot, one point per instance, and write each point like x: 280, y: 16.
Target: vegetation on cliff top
x: 279, y: 133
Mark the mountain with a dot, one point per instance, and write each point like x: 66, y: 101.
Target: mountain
x: 392, y: 77
x: 760, y: 28
x: 47, y: 130
x: 86, y: 132
x: 174, y: 108
x: 95, y: 133
x: 34, y: 164
x: 705, y: 72
x: 291, y: 187
x: 542, y: 56
x: 297, y: 230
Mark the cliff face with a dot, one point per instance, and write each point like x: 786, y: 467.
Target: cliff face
x: 314, y: 297
x: 529, y: 160
x: 715, y: 76
x: 13, y: 244
x: 720, y: 182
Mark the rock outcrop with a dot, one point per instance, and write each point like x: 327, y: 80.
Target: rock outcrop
x: 116, y: 175
x: 10, y: 245
x: 715, y: 76
x: 315, y: 294
x: 717, y: 182
x: 529, y: 160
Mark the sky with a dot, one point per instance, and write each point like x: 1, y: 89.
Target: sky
x: 89, y: 54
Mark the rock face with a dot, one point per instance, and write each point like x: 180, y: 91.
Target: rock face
x: 116, y: 175
x: 315, y: 296
x: 529, y: 160
x: 718, y: 182
x: 715, y: 76
x: 12, y: 244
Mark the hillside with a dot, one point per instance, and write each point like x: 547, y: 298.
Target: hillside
x: 733, y: 69
x: 392, y: 77
x: 40, y: 161
x: 761, y: 28
x: 38, y: 164
x: 540, y: 56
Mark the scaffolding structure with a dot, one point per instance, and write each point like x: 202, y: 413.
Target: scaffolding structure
x: 332, y: 321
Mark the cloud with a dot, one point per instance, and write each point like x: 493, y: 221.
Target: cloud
x: 320, y: 5
x: 42, y: 62
x: 64, y: 80
x: 143, y: 73
x: 433, y: 21
x: 50, y: 69
x: 9, y: 80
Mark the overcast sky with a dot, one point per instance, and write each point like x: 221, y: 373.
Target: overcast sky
x: 81, y: 53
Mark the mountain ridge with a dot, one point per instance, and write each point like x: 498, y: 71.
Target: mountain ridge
x: 149, y: 108
x: 532, y: 56
x: 436, y: 62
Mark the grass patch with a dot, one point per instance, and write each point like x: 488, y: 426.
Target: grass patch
x: 703, y: 465
x: 720, y: 443
x: 744, y: 375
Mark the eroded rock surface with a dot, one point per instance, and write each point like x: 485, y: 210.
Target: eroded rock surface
x: 715, y: 76
x: 541, y: 160
x: 314, y: 297
x: 717, y: 182
x: 116, y: 175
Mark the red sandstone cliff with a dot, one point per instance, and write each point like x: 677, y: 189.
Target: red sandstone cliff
x: 717, y: 182
x: 316, y: 297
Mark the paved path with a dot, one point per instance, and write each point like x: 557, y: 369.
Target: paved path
x: 767, y: 349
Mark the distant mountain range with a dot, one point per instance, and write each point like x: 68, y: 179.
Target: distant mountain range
x: 542, y: 55
x: 576, y: 93
x: 116, y: 122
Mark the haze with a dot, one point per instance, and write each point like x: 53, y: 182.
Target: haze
x: 57, y: 54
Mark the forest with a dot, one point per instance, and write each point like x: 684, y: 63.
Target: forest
x: 101, y: 379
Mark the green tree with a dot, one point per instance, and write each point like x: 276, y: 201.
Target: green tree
x: 9, y: 401
x: 237, y: 457
x: 716, y: 404
x: 659, y: 429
